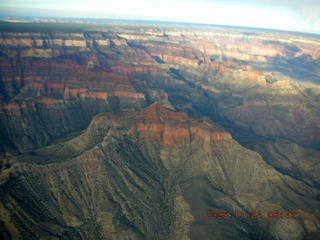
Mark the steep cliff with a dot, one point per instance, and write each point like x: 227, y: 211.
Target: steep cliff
x: 149, y: 174
x: 68, y: 86
x: 158, y: 132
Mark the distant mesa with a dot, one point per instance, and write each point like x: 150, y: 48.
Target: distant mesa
x: 133, y: 130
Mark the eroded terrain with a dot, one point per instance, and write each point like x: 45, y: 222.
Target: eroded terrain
x: 135, y: 131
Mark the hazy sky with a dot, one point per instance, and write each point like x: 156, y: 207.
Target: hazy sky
x: 297, y: 15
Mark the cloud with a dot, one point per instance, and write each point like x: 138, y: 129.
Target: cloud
x: 307, y: 9
x: 302, y: 15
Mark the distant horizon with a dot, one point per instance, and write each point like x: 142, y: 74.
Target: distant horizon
x: 95, y: 20
x: 285, y: 15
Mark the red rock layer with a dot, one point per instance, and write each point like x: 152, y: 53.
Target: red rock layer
x: 17, y: 108
x: 138, y: 68
x: 176, y: 129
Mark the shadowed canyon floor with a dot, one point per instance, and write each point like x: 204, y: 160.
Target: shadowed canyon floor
x: 158, y: 131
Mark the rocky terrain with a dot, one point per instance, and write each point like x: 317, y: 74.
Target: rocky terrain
x: 158, y: 131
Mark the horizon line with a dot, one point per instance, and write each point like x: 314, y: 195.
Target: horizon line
x: 33, y: 19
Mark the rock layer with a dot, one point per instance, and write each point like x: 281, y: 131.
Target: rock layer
x: 133, y: 132
x: 134, y: 182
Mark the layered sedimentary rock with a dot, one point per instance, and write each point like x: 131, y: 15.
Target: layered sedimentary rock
x: 69, y: 86
x: 177, y: 130
x: 136, y: 175
x: 147, y: 132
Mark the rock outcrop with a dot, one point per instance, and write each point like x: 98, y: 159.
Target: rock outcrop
x: 136, y: 174
x: 177, y: 130
x: 148, y: 132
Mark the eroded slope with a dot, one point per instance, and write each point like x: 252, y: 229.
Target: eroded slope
x: 145, y: 170
x: 133, y: 183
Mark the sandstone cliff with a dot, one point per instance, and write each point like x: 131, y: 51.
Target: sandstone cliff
x: 135, y: 132
x: 137, y: 175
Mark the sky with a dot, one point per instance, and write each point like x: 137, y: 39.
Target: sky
x: 293, y: 15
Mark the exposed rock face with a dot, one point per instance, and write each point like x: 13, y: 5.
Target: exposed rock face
x: 39, y: 93
x: 138, y: 182
x: 177, y: 130
x: 133, y: 133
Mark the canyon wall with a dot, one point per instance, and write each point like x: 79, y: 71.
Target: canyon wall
x: 148, y: 131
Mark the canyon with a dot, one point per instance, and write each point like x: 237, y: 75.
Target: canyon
x: 131, y: 130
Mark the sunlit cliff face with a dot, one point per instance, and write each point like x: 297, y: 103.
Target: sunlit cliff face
x: 137, y: 131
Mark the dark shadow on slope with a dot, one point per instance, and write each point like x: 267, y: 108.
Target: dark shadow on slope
x: 302, y: 68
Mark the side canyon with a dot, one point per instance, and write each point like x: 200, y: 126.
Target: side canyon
x: 129, y: 130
